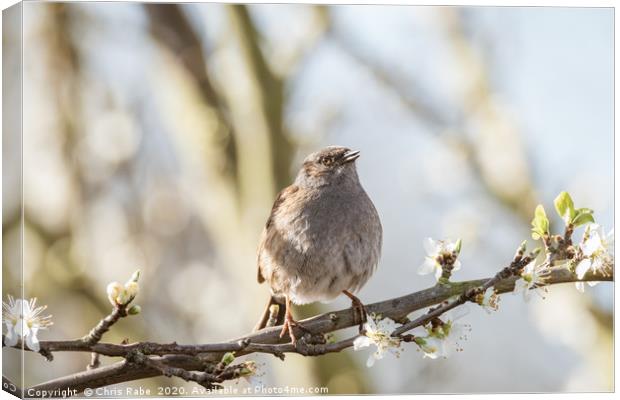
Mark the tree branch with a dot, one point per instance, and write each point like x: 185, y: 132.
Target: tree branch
x: 104, y: 325
x: 199, y: 357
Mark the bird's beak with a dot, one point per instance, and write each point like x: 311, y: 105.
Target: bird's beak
x: 350, y: 156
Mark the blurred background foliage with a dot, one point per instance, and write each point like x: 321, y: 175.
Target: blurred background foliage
x: 156, y: 136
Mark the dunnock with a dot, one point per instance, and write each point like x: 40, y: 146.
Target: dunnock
x: 323, y: 237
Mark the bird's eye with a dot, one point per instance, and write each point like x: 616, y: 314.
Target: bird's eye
x: 327, y: 161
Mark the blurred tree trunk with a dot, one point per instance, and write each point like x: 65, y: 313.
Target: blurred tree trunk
x: 171, y: 28
x: 270, y: 94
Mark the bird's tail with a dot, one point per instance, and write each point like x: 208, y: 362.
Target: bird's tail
x: 272, y: 316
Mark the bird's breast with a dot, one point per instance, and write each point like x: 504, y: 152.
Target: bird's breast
x: 329, y: 223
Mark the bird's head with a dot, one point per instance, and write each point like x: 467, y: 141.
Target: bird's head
x: 333, y: 164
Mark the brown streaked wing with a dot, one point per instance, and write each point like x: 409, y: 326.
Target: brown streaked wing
x: 280, y: 198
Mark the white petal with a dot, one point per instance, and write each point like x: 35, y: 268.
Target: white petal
x: 609, y: 239
x: 371, y: 361
x: 583, y: 267
x: 370, y: 325
x: 387, y: 325
x: 362, y: 341
x: 11, y: 338
x: 32, y: 342
x: 430, y: 355
x: 427, y: 267
x: 457, y: 265
x: 440, y: 347
x: 431, y: 246
x: 438, y: 272
x: 526, y: 295
x: 449, y: 346
x: 378, y: 355
x: 430, y: 347
x: 19, y: 328
x: 529, y: 268
x: 579, y: 286
x: 488, y: 294
x: 592, y: 244
x: 520, y: 285
x: 597, y: 263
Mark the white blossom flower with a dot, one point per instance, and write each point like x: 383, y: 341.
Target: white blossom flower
x: 378, y: 333
x: 488, y: 300
x: 598, y: 250
x: 435, y: 249
x: 531, y: 280
x: 249, y: 373
x: 432, y: 347
x: 23, y: 320
x: 443, y: 340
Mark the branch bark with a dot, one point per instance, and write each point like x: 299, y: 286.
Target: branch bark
x: 198, y: 357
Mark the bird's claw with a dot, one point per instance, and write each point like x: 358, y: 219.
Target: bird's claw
x: 289, y: 324
x: 359, y: 314
x: 359, y: 310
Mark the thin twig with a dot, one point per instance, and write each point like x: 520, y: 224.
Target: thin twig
x: 104, y: 325
x: 515, y: 267
x: 202, y: 378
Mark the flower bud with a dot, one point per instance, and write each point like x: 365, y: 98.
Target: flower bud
x: 123, y: 297
x: 132, y: 289
x: 228, y: 358
x: 113, y: 290
x: 248, y: 369
x: 134, y: 310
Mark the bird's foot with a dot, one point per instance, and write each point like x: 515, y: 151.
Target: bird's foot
x: 289, y: 324
x: 359, y: 310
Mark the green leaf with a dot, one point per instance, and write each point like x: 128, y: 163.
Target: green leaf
x: 540, y: 223
x: 457, y: 247
x: 584, y: 211
x: 420, y: 341
x: 583, y: 216
x: 135, y: 276
x: 540, y: 213
x: 565, y: 207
